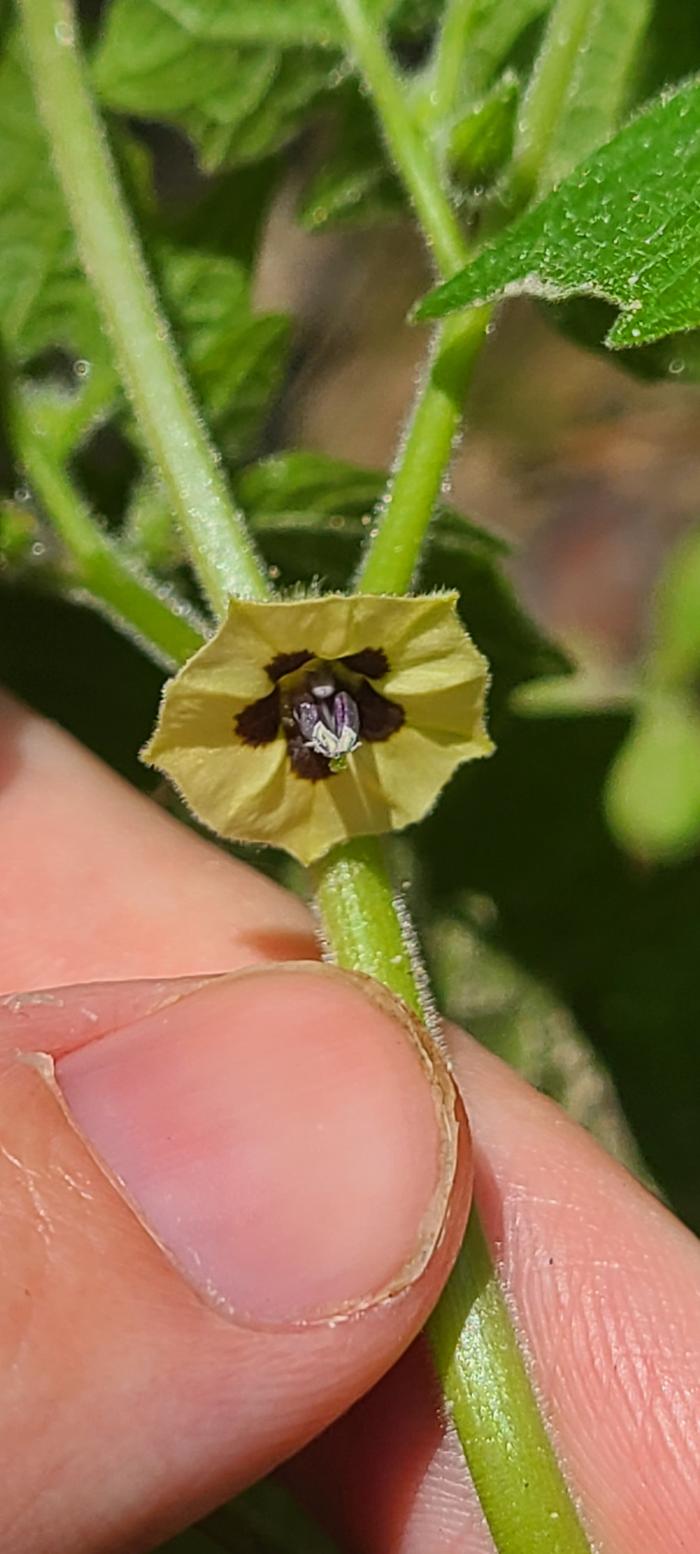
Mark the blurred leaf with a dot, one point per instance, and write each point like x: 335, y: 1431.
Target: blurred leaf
x: 44, y: 300
x: 70, y: 663
x: 617, y: 943
x: 675, y: 653
x: 624, y: 226
x: 310, y: 484
x: 267, y: 1519
x: 239, y: 79
x: 671, y: 48
x: 481, y: 141
x: 588, y: 321
x: 600, y: 86
x: 652, y: 794
x: 236, y: 78
x: 484, y: 990
x: 354, y: 182
x: 236, y: 359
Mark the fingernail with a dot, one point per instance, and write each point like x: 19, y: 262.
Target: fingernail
x: 289, y: 1140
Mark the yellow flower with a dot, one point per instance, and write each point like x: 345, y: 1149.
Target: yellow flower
x: 304, y: 722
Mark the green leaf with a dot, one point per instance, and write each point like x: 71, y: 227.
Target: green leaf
x: 675, y: 654
x: 236, y: 359
x: 354, y: 183
x: 599, y: 88
x: 482, y: 140
x: 652, y: 795
x: 236, y: 85
x: 44, y: 300
x: 625, y: 226
x: 588, y: 321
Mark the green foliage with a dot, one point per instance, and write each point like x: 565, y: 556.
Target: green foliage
x: 616, y: 943
x: 44, y: 301
x: 623, y: 226
x: 236, y: 358
x: 652, y: 793
x: 238, y: 79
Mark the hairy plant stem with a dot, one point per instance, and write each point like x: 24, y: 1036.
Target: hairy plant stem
x: 391, y: 557
x: 544, y: 99
x: 177, y: 442
x: 137, y: 602
x: 447, y: 65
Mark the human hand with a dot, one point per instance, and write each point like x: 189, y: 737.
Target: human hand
x: 291, y: 1160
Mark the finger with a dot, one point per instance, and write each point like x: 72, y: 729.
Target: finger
x: 228, y: 1205
x: 603, y: 1282
x: 427, y: 1485
x: 98, y: 882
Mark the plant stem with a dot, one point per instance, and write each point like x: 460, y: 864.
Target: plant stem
x: 481, y: 1369
x: 447, y: 66
x: 410, y: 148
x: 391, y: 558
x: 142, y: 608
x: 353, y: 889
x: 544, y: 99
x: 177, y: 441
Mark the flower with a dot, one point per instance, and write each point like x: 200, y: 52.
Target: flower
x: 307, y: 721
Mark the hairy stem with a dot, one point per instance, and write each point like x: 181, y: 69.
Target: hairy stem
x: 392, y: 557
x: 140, y: 606
x: 221, y: 549
x: 447, y: 66
x: 478, y: 1360
x: 544, y: 99
x: 410, y: 148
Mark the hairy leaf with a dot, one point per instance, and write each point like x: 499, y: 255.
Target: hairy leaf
x: 624, y: 226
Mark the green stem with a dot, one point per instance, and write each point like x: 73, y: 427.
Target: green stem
x: 391, y: 558
x: 170, y: 632
x: 219, y: 544
x: 353, y: 889
x: 447, y: 68
x: 544, y: 99
x: 409, y: 146
x: 481, y: 1369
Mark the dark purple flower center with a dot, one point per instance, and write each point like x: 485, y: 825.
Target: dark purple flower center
x: 325, y: 708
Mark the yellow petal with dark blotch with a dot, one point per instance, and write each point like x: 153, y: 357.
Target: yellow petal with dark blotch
x: 252, y: 793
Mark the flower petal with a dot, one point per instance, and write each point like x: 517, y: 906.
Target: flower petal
x: 434, y: 675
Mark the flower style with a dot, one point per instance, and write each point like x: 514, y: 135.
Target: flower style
x: 304, y: 722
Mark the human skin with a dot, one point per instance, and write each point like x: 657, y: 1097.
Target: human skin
x: 164, y: 1343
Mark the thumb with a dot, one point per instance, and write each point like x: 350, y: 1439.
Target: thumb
x: 200, y: 1181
